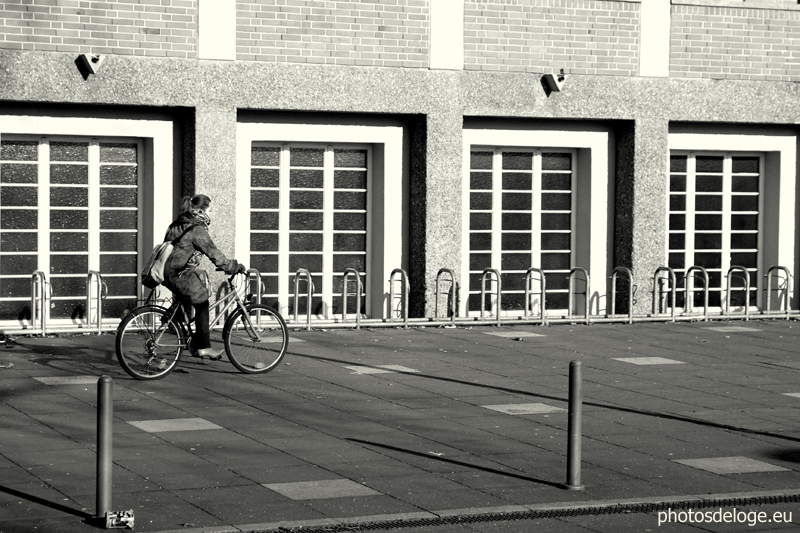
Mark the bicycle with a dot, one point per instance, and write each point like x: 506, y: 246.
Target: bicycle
x: 151, y: 338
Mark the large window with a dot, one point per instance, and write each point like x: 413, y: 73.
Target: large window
x: 521, y: 205
x: 308, y: 210
x: 714, y: 222
x: 68, y: 205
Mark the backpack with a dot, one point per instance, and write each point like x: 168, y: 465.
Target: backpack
x: 153, y: 271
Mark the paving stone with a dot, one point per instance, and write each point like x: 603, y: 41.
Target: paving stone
x: 173, y: 424
x: 649, y: 361
x: 524, y: 408
x: 321, y: 489
x: 730, y: 465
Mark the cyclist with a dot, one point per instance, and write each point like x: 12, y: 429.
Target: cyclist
x: 182, y: 274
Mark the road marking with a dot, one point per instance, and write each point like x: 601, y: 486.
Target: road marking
x: 68, y: 380
x: 649, y: 361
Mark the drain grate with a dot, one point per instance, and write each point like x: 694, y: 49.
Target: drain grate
x: 540, y: 514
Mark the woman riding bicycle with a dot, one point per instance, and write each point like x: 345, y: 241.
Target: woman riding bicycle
x: 182, y: 274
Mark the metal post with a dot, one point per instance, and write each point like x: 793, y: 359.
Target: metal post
x: 574, y: 438
x: 105, y: 410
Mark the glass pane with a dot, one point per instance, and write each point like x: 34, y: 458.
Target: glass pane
x: 118, y: 175
x: 117, y: 264
x: 704, y: 202
x: 264, y: 263
x: 311, y: 262
x: 18, y: 219
x: 305, y: 242
x: 480, y: 160
x: 265, y: 156
x: 69, y: 219
x: 264, y: 199
x: 557, y: 300
x: 16, y: 287
x: 349, y: 158
x: 349, y: 179
x: 341, y: 262
x: 117, y: 308
x: 480, y: 261
x: 516, y: 241
x: 555, y: 221
x: 305, y: 200
x: 677, y: 260
x: 306, y: 157
x: 744, y: 222
x: 513, y: 302
x: 557, y: 281
x: 69, y: 151
x: 551, y: 261
x: 18, y: 196
x: 514, y: 282
x: 556, y: 161
x: 18, y: 242
x: 271, y: 284
x: 516, y: 201
x: 349, y: 200
x: 349, y: 221
x: 677, y: 163
x: 677, y: 183
x: 118, y: 197
x: 677, y: 202
x: 556, y: 182
x: 708, y: 183
x: 744, y: 203
x: 305, y: 221
x: 117, y: 153
x: 741, y: 241
x: 19, y: 150
x: 556, y: 241
x: 480, y: 201
x: 118, y: 242
x: 517, y: 161
x: 69, y: 174
x: 69, y: 264
x: 480, y: 221
x: 708, y: 163
x: 480, y: 241
x: 516, y: 181
x: 744, y: 183
x: 480, y: 181
x: 677, y: 241
x: 556, y: 202
x: 69, y: 197
x: 118, y: 219
x: 708, y: 241
x: 15, y: 310
x: 264, y: 242
x: 15, y: 265
x: 745, y: 164
x: 69, y: 242
x: 708, y: 259
x: 19, y: 173
x: 707, y: 222
x: 262, y: 220
x: 69, y: 286
x: 306, y: 179
x: 516, y: 221
x: 349, y: 242
x: 264, y: 177
x: 72, y: 309
x: 123, y: 286
x: 745, y: 259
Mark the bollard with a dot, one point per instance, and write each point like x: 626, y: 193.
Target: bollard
x: 105, y: 411
x: 574, y: 438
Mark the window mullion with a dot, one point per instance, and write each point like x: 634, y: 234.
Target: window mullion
x: 94, y: 205
x: 43, y: 199
x: 327, y: 232
x: 727, y: 169
x: 283, y: 226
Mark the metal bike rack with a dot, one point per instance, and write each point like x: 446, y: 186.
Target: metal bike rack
x: 690, y: 274
x: 528, y: 280
x: 309, y: 293
x: 254, y: 275
x: 95, y: 286
x: 627, y: 272
x: 787, y: 288
x: 359, y: 290
x: 403, y: 294
x: 39, y: 299
x: 743, y: 273
x: 453, y: 291
x: 572, y: 273
x: 489, y: 272
x: 657, y: 289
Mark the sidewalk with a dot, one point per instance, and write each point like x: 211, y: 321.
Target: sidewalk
x: 394, y: 425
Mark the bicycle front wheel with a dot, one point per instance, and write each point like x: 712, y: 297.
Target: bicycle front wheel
x: 257, y: 345
x: 149, y: 344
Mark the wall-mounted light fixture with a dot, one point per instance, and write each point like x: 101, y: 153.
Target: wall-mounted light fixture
x: 89, y: 63
x: 554, y: 82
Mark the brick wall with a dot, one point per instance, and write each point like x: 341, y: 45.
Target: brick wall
x: 381, y: 33
x: 580, y: 36
x: 128, y: 27
x: 735, y: 43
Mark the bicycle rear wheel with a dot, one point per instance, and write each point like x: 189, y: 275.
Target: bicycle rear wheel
x: 261, y: 348
x: 149, y: 344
